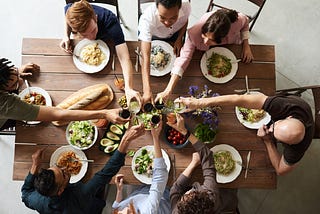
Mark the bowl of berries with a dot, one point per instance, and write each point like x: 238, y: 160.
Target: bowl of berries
x: 175, y: 139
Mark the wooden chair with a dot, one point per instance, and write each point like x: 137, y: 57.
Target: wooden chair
x: 252, y: 18
x: 9, y: 131
x: 110, y: 2
x: 316, y: 96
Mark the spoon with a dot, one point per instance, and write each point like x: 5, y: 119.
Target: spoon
x: 29, y: 91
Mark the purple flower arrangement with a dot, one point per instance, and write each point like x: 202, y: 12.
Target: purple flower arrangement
x: 208, y: 114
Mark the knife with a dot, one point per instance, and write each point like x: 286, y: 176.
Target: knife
x: 247, y: 85
x: 247, y: 166
x: 113, y: 59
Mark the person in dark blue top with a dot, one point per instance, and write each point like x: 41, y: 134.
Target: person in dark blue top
x: 49, y: 190
x: 94, y: 22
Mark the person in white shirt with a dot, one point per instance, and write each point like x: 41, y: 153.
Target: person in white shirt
x: 165, y: 20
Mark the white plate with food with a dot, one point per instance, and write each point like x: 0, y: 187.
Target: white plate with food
x: 81, y: 134
x: 66, y: 156
x: 228, y: 163
x: 93, y: 55
x: 142, y: 166
x: 162, y: 58
x: 41, y: 97
x: 252, y: 118
x: 219, y: 65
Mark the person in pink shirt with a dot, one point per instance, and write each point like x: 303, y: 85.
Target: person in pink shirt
x: 214, y: 28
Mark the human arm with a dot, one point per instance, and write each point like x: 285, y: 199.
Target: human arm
x: 28, y: 69
x: 277, y: 160
x: 255, y: 101
x: 180, y: 65
x: 127, y: 69
x: 47, y: 113
x: 178, y: 43
x: 119, y: 183
x: 111, y: 168
x: 30, y: 196
x: 146, y: 51
x: 65, y: 43
x: 246, y: 54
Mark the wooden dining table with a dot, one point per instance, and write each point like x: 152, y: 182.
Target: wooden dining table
x: 60, y: 78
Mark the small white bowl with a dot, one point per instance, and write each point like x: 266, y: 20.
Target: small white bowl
x: 95, y: 136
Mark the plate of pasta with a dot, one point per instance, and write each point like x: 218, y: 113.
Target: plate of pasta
x: 219, y: 65
x: 67, y: 156
x: 91, y: 56
x: 161, y: 58
x: 227, y: 162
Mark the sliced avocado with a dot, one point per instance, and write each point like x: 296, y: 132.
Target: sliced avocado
x: 126, y: 125
x: 106, y: 142
x: 111, y: 148
x: 120, y: 126
x: 116, y: 129
x: 112, y: 136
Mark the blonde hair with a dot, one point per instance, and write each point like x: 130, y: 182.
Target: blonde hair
x: 79, y: 15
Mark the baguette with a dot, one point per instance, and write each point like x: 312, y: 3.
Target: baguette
x: 94, y: 97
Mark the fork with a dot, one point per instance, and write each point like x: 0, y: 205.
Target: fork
x: 29, y: 91
x: 76, y: 160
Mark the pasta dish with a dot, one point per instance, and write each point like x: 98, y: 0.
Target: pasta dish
x: 218, y: 65
x: 159, y: 58
x: 92, y: 54
x: 38, y: 99
x: 70, y: 161
x: 252, y: 115
x: 224, y: 162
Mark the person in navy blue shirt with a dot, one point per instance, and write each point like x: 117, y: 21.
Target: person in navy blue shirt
x: 49, y: 190
x: 93, y: 22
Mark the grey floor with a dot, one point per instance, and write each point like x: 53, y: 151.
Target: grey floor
x: 289, y: 25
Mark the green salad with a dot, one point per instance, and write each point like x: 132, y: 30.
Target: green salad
x: 143, y: 163
x: 81, y: 134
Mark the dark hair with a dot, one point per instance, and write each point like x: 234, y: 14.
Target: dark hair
x: 44, y: 182
x: 5, y: 72
x: 197, y: 202
x: 219, y: 23
x: 169, y: 3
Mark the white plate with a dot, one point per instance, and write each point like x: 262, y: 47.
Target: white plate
x: 236, y: 156
x: 167, y: 48
x: 39, y: 91
x: 79, y: 154
x: 84, y: 66
x: 142, y: 177
x: 255, y: 125
x: 222, y: 51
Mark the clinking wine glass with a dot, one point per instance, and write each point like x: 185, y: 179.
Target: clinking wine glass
x: 179, y: 107
x: 155, y: 120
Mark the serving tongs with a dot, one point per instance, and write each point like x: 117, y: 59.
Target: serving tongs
x: 137, y: 51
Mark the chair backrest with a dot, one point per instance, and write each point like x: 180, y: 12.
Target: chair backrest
x: 252, y: 18
x: 140, y: 2
x: 8, y: 131
x: 316, y: 97
x: 110, y: 2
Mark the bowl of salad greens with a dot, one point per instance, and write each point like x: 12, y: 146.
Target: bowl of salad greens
x: 81, y: 134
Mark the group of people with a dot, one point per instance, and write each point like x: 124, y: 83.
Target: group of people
x: 49, y: 191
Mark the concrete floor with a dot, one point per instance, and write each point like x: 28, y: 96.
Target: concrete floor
x: 290, y: 26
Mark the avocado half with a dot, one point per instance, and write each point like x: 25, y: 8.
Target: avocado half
x: 112, y: 136
x: 106, y: 142
x: 111, y: 148
x: 116, y: 129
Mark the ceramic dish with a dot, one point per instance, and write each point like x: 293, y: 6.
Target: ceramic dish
x: 222, y: 51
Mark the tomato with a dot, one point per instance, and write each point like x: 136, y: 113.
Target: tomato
x: 181, y: 141
x: 174, y: 142
x: 169, y: 138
